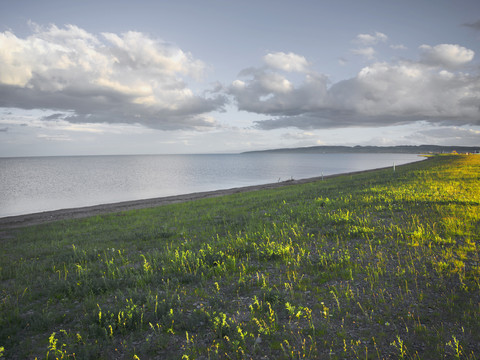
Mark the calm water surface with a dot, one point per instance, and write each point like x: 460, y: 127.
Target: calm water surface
x: 38, y: 184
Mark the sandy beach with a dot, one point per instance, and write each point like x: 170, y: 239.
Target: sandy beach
x: 11, y: 222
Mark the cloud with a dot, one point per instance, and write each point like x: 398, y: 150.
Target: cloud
x: 366, y: 41
x: 111, y: 78
x: 56, y: 116
x: 446, y: 55
x: 407, y: 91
x: 265, y: 90
x: 300, y: 135
x: 448, y: 136
x: 287, y: 62
x: 369, y: 39
x: 398, y: 47
x: 368, y: 52
x: 56, y: 137
x: 474, y: 25
x: 381, y: 94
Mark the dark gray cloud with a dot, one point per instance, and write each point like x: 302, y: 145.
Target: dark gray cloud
x: 57, y: 116
x: 331, y: 119
x: 127, y: 78
x: 474, y: 25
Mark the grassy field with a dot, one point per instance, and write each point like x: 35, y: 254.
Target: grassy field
x: 369, y: 266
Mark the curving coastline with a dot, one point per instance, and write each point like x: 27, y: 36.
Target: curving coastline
x: 18, y: 221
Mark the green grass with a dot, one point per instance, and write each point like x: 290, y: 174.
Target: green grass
x: 369, y: 266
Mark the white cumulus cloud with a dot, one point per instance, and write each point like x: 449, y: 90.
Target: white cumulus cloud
x: 371, y: 39
x: 266, y: 90
x: 287, y: 62
x: 446, y: 55
x: 112, y: 78
x: 381, y: 94
x: 407, y: 90
x: 366, y: 42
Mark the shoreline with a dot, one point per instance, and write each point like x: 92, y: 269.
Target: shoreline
x: 19, y: 221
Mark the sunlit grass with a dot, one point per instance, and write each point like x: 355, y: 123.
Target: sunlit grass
x: 376, y: 265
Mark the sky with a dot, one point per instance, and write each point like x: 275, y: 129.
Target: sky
x: 217, y: 76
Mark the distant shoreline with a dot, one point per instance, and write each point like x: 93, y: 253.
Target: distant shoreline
x: 358, y: 149
x: 18, y: 221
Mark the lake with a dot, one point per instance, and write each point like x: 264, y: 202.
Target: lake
x: 37, y: 184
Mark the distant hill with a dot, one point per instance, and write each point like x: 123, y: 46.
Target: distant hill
x: 402, y: 149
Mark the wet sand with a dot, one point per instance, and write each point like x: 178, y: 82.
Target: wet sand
x: 11, y: 222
